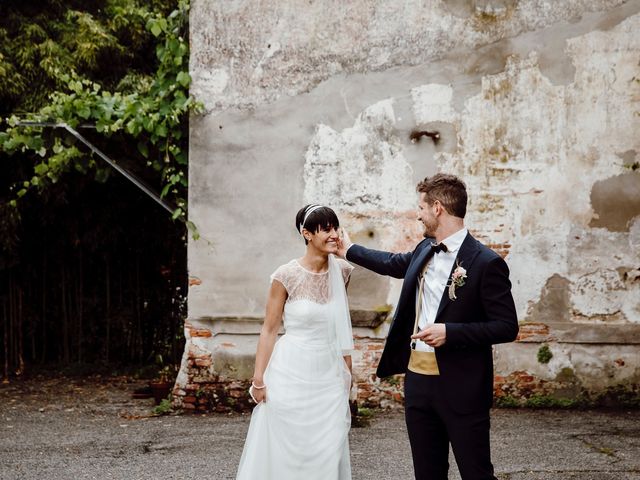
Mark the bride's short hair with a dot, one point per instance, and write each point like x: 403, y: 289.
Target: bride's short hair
x: 319, y: 218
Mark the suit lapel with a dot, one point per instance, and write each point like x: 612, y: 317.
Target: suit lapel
x: 466, y: 255
x: 418, y: 264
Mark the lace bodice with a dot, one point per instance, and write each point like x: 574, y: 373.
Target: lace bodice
x: 302, y: 284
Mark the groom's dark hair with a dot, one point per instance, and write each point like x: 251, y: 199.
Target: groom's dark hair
x: 449, y: 190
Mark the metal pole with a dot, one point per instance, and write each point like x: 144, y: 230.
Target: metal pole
x: 103, y: 156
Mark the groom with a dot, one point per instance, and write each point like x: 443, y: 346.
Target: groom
x: 459, y: 323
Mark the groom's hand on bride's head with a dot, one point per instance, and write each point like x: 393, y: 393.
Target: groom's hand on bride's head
x: 344, y: 242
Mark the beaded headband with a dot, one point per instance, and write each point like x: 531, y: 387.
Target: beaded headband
x: 310, y: 210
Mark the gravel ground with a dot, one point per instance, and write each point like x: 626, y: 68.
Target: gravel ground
x: 91, y: 428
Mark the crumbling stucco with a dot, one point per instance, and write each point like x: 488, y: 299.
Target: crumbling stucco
x: 533, y: 153
x: 362, y: 166
x: 534, y: 158
x: 251, y: 52
x: 535, y: 104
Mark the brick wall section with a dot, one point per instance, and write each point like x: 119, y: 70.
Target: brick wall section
x: 533, y: 332
x: 501, y: 249
x: 207, y: 392
x: 369, y: 390
x: 520, y: 385
x: 197, y: 332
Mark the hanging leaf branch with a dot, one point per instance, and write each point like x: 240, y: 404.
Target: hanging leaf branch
x: 149, y: 111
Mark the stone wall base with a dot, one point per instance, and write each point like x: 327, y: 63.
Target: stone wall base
x: 548, y: 366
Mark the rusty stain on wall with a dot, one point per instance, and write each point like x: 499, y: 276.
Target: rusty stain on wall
x: 554, y: 304
x: 616, y: 202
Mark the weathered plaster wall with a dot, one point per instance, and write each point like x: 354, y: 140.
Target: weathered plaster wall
x: 536, y: 107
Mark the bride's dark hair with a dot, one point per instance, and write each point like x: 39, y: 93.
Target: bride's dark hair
x: 321, y: 218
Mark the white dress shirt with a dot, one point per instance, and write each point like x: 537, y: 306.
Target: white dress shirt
x: 437, y: 276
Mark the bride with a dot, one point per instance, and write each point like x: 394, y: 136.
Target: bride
x: 299, y: 427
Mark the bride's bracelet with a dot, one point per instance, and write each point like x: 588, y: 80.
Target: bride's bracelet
x: 257, y: 387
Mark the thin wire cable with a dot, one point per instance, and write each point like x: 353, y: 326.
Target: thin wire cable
x: 103, y: 156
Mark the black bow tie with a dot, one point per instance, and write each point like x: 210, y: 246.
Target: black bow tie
x: 439, y: 247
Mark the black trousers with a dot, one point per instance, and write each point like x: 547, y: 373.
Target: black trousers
x: 432, y: 425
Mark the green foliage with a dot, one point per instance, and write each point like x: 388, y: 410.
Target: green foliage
x: 163, y: 408
x: 91, y: 271
x: 365, y: 412
x: 361, y: 416
x: 544, y: 354
x: 394, y: 381
x: 547, y: 401
x: 539, y: 400
x: 101, y: 40
x: 617, y: 396
x: 147, y: 108
x: 507, y: 401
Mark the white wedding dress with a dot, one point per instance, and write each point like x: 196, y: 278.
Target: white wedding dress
x: 301, y: 431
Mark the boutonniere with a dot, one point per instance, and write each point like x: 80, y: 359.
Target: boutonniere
x: 457, y: 279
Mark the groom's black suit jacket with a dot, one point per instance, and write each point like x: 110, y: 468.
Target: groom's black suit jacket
x: 483, y: 314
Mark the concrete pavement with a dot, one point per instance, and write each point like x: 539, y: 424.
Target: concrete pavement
x: 89, y: 432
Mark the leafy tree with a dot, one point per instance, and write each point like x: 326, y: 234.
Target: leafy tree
x: 116, y: 71
x: 91, y: 68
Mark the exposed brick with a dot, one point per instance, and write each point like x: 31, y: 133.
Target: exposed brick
x: 528, y: 330
x: 203, y: 362
x: 525, y: 377
x: 236, y: 393
x: 221, y: 395
x: 199, y: 332
x: 501, y: 249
